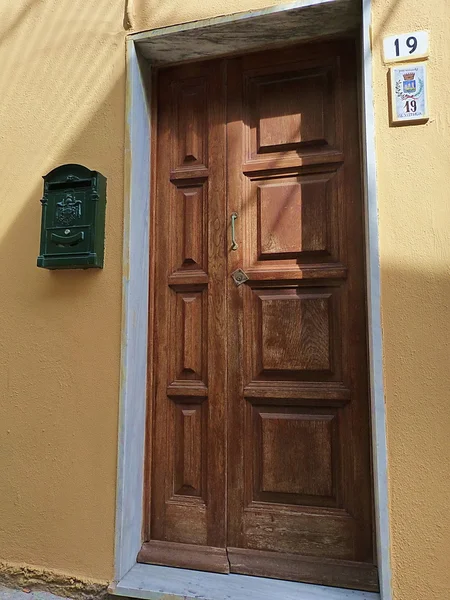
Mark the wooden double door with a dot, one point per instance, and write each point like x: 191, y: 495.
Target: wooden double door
x: 258, y: 446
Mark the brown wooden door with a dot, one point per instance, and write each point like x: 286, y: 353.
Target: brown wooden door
x: 259, y: 457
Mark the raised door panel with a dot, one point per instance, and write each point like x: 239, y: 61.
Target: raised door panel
x: 292, y: 113
x: 189, y: 348
x: 294, y: 220
x: 282, y: 203
x: 295, y: 454
x: 290, y: 109
x: 190, y: 452
x: 190, y: 214
x: 185, y: 508
x: 294, y: 332
x: 191, y: 110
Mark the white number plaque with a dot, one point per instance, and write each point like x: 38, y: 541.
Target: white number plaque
x: 405, y: 46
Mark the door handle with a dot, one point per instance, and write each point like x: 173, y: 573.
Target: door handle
x: 234, y: 245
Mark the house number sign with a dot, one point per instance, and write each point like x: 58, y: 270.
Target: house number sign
x: 406, y: 46
x: 409, y: 100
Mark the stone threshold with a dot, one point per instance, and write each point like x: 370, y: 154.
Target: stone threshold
x: 152, y: 582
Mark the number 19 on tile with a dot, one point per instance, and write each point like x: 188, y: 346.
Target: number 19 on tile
x: 409, y: 94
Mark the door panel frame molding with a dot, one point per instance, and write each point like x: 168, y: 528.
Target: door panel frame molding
x: 143, y: 50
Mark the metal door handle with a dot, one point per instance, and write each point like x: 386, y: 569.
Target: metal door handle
x: 234, y: 245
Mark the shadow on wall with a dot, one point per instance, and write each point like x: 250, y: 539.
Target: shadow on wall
x: 59, y: 358
x: 416, y: 331
x: 416, y: 316
x: 62, y: 86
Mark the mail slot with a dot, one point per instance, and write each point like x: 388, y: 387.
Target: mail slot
x: 73, y: 219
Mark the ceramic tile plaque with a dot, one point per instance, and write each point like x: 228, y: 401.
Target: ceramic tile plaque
x: 409, y: 94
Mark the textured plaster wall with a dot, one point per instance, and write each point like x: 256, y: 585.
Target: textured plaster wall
x: 414, y: 218
x: 62, y: 99
x: 62, y: 91
x: 150, y: 14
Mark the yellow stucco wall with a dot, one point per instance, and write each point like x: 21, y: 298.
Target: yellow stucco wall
x: 62, y: 99
x: 414, y: 209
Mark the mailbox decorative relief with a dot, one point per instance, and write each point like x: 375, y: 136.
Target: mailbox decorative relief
x: 73, y: 219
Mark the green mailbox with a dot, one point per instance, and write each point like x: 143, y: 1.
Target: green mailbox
x: 73, y: 219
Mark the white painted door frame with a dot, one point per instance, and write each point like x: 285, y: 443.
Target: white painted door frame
x: 141, y: 580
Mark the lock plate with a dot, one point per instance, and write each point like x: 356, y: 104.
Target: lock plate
x: 239, y: 277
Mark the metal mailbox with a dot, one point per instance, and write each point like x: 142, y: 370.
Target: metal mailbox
x: 73, y: 219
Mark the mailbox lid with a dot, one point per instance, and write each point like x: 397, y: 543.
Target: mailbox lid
x: 68, y: 240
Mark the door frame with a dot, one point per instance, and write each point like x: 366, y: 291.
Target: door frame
x: 142, y: 49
